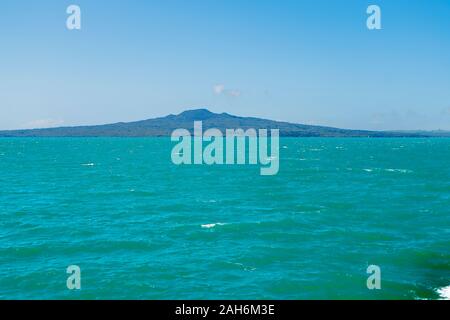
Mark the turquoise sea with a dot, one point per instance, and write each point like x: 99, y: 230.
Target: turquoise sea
x: 141, y: 227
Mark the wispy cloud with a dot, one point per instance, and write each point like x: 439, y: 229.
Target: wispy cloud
x: 219, y: 89
x: 234, y: 93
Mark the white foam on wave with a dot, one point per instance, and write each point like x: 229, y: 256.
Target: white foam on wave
x: 207, y: 201
x: 368, y: 170
x: 399, y: 170
x: 444, y: 293
x: 88, y: 164
x: 212, y: 225
x: 246, y: 268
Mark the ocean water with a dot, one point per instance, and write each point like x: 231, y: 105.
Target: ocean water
x: 140, y: 227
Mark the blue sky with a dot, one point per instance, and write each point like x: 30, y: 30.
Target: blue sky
x: 311, y: 62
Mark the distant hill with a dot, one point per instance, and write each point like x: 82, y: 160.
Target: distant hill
x: 165, y: 125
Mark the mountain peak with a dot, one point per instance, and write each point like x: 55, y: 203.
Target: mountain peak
x: 197, y: 114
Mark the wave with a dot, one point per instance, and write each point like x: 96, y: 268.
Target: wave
x: 388, y: 170
x: 399, y: 170
x: 212, y: 225
x: 444, y: 293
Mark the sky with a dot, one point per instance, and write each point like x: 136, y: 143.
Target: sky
x: 312, y: 62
